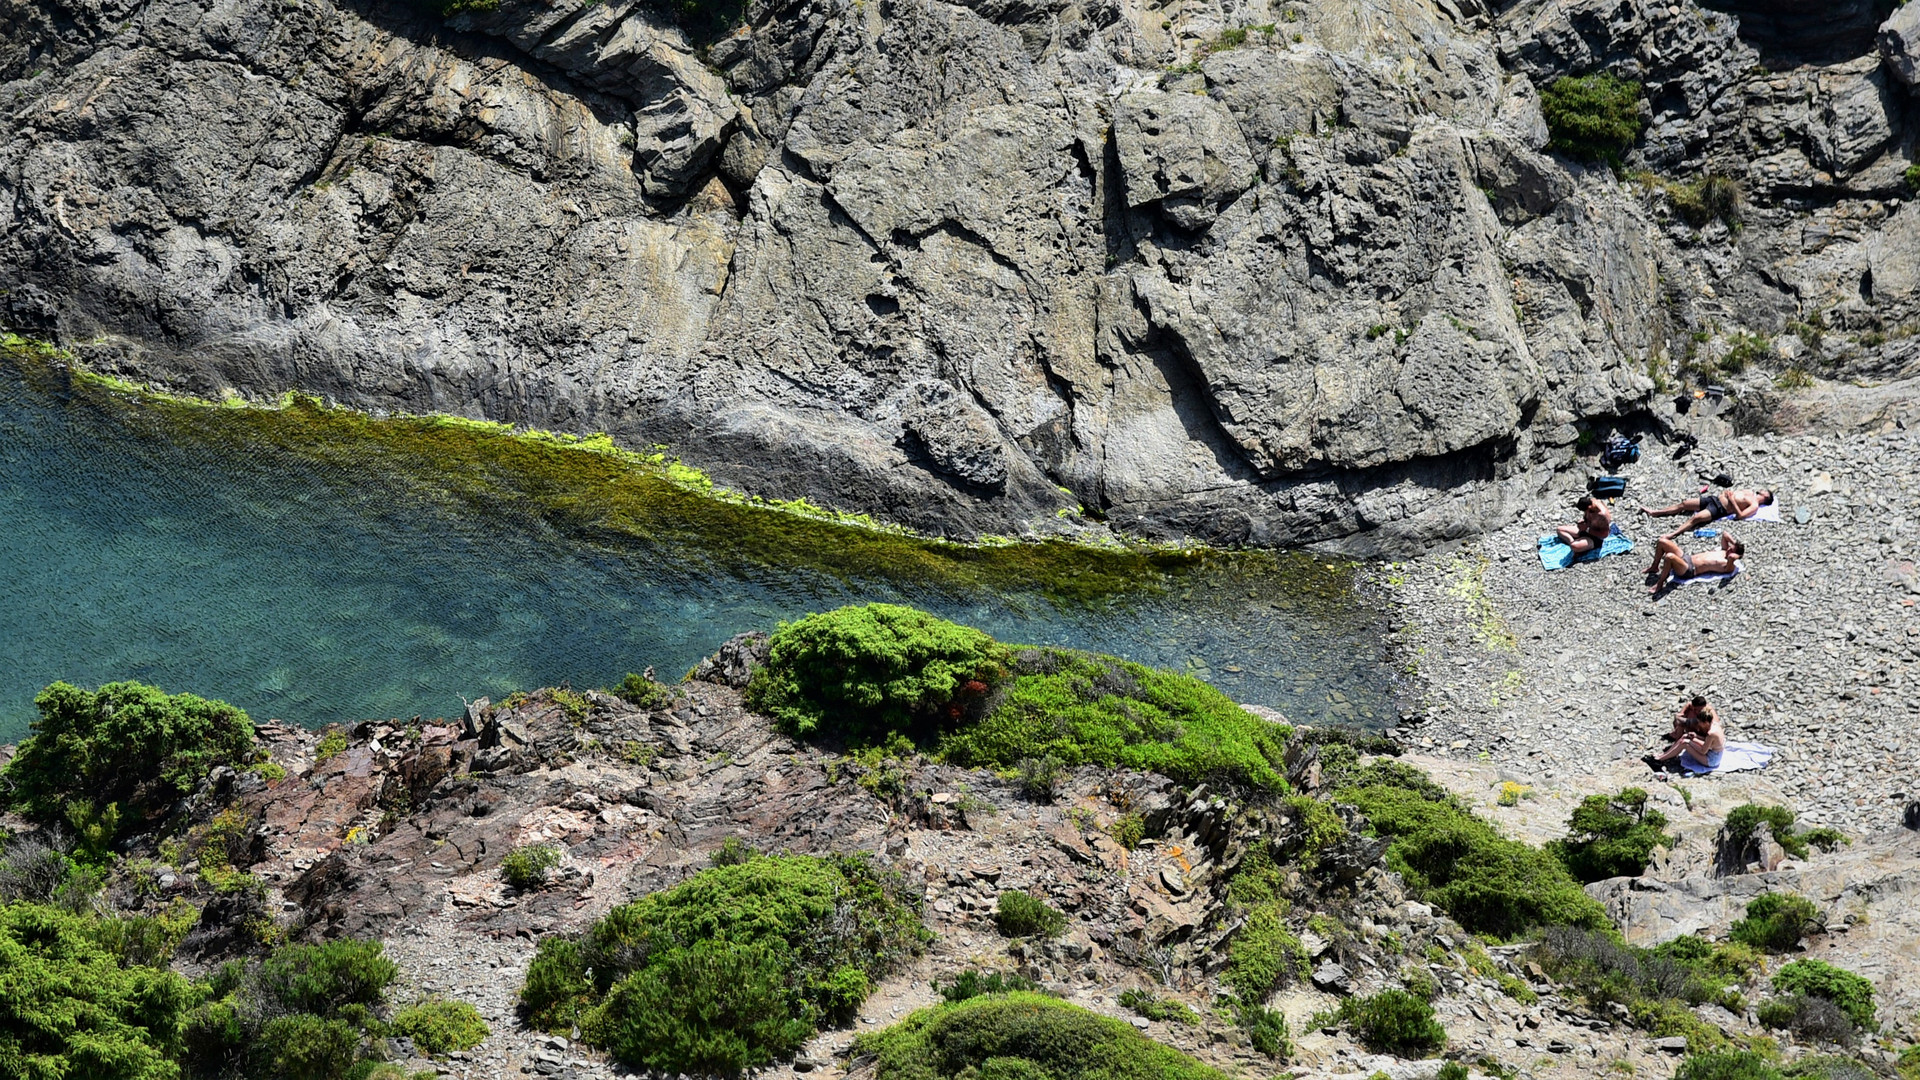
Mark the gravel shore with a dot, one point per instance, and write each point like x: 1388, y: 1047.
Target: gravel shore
x: 1814, y: 650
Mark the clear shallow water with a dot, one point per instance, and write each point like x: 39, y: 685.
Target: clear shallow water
x: 312, y: 579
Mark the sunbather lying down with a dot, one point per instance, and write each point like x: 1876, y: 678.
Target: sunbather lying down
x: 1708, y: 508
x: 1670, y: 564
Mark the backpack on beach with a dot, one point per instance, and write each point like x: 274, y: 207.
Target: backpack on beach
x: 1607, y: 487
x: 1619, y: 451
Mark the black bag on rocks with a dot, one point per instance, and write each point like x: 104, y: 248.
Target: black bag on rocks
x: 1607, y: 487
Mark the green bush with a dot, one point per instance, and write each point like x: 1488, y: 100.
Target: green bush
x: 1266, y: 1030
x: 1592, y: 117
x: 126, y: 745
x: 441, y: 1027
x: 1817, y: 978
x: 1707, y: 199
x: 1775, y: 921
x: 642, y: 692
x: 1743, y: 820
x: 1812, y: 1018
x: 525, y: 867
x: 327, y: 978
x: 1452, y: 1070
x: 1153, y: 1007
x: 1394, y: 1022
x: 1824, y: 837
x: 1262, y: 955
x: 971, y: 984
x: 861, y: 672
x: 1612, y: 836
x: 1449, y: 857
x: 727, y: 966
x: 1021, y: 914
x: 717, y: 1008
x: 1728, y: 1065
x: 308, y: 1047
x: 1084, y: 709
x: 1912, y: 175
x: 732, y: 852
x: 70, y: 1007
x: 1021, y: 1036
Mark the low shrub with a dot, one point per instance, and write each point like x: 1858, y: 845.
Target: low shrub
x: 1263, y: 954
x: 1394, y: 1022
x: 1912, y: 177
x: 1707, y: 199
x: 1129, y: 831
x: 1153, y: 1007
x: 1021, y: 1036
x: 441, y: 1027
x: 125, y: 745
x: 1592, y: 117
x: 1776, y: 922
x: 74, y: 1007
x: 642, y: 692
x: 1728, y: 1065
x: 1452, y: 1070
x: 732, y: 968
x: 325, y: 979
x: 1486, y: 882
x: 861, y: 672
x: 1266, y: 1030
x: 1038, y: 777
x: 1021, y: 914
x: 525, y: 867
x: 1612, y: 836
x: 971, y: 984
x: 732, y: 852
x: 1657, y: 986
x: 1812, y: 1018
x: 1817, y: 978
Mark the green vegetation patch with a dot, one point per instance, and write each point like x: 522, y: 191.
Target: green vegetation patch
x: 730, y: 970
x: 1154, y: 1007
x: 1817, y: 978
x: 127, y: 748
x: 526, y: 866
x: 1744, y: 820
x: 72, y: 1005
x: 1776, y: 922
x: 441, y: 1027
x: 1263, y: 955
x: 1658, y: 986
x: 1729, y: 1065
x: 1457, y: 861
x: 1612, y: 836
x: 1021, y: 914
x: 869, y: 673
x: 1592, y: 117
x: 1394, y: 1022
x: 1022, y: 1036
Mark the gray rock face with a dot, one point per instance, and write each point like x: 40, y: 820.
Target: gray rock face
x: 1899, y: 45
x: 962, y: 266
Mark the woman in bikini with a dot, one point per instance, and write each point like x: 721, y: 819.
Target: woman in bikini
x: 1704, y: 741
x: 1670, y: 564
x: 1711, y: 507
x: 1595, y: 525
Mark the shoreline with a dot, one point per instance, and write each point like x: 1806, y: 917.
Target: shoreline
x: 1814, y: 650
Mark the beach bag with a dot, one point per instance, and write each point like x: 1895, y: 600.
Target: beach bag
x: 1607, y: 487
x: 1619, y: 451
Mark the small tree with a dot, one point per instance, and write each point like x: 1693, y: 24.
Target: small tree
x: 1775, y: 921
x: 126, y: 744
x: 1592, y: 117
x: 1612, y: 836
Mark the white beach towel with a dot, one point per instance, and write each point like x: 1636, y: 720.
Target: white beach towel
x: 1739, y: 566
x: 1769, y: 512
x: 1737, y: 757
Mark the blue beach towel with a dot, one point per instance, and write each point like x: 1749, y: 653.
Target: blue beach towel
x: 1555, y: 555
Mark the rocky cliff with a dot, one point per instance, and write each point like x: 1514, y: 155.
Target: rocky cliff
x: 1254, y: 272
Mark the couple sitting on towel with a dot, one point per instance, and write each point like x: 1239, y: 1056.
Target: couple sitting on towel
x: 1698, y: 737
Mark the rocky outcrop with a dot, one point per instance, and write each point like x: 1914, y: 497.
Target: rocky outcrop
x: 1260, y: 274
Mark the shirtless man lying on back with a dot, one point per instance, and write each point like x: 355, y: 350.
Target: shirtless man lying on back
x: 1670, y: 564
x: 1706, y: 509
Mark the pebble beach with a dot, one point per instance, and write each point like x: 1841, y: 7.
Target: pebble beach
x: 1814, y: 650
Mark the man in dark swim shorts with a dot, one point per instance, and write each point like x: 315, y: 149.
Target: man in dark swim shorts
x: 1596, y: 524
x: 1711, y: 507
x: 1670, y: 564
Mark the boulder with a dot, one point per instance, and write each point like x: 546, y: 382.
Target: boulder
x: 1899, y: 45
x: 1181, y: 151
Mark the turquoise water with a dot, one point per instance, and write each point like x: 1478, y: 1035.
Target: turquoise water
x: 314, y: 591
